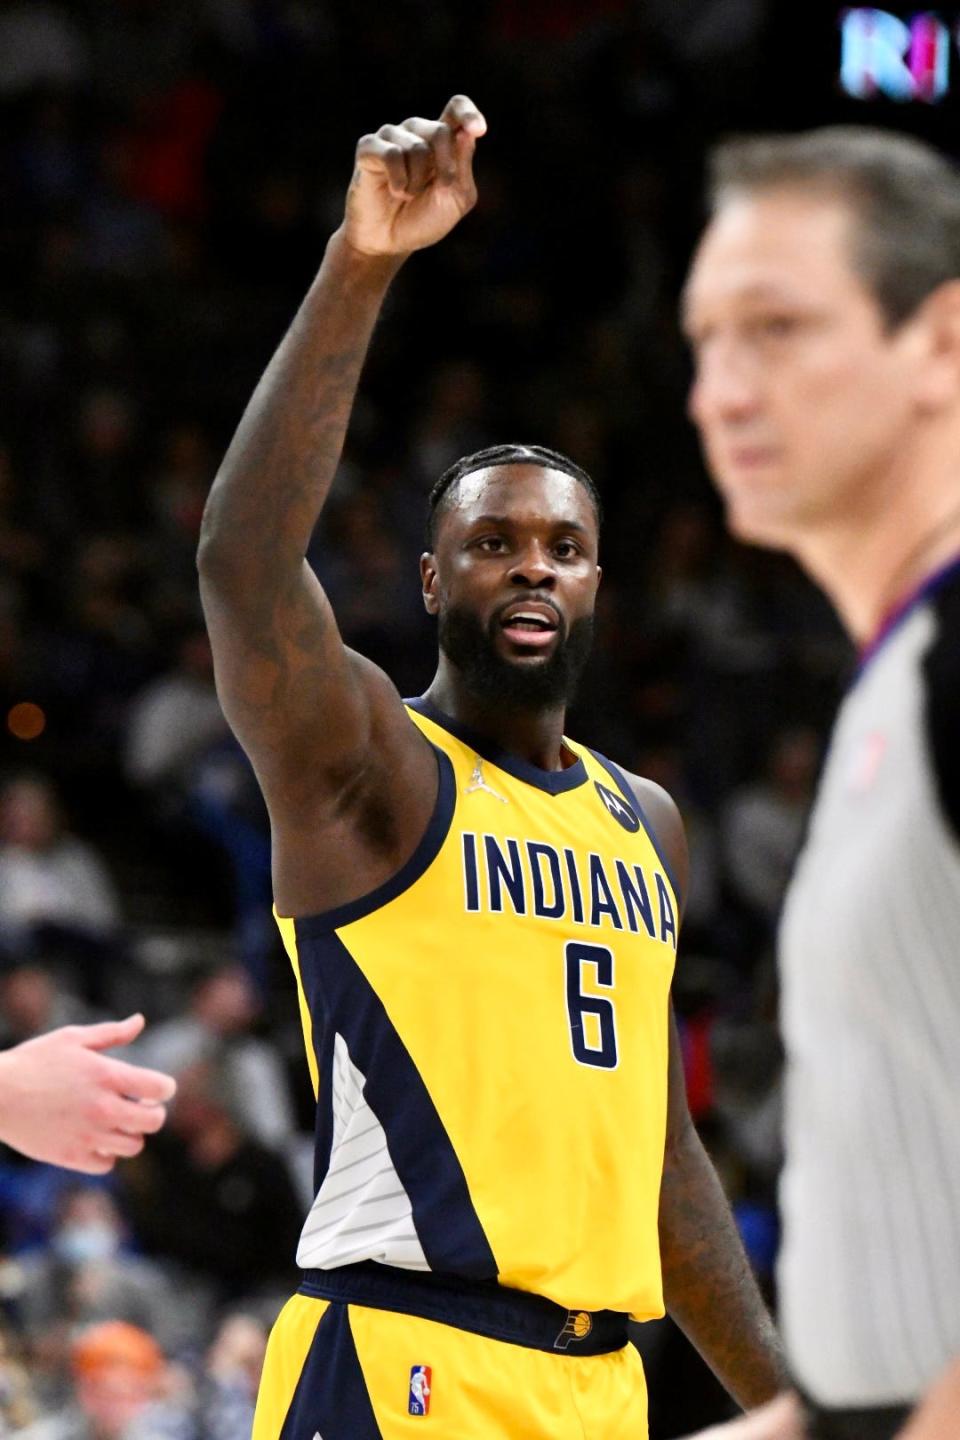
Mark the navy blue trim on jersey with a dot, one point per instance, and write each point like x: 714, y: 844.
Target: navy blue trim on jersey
x: 630, y: 795
x: 480, y: 1306
x: 322, y: 1033
x: 554, y: 782
x: 342, y: 999
x: 896, y: 617
x: 438, y: 827
x: 331, y: 1398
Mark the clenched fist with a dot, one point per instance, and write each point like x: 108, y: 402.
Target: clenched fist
x: 413, y: 182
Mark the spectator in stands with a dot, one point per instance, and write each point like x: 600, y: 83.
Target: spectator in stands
x: 225, y: 805
x: 363, y: 545
x: 39, y: 45
x: 178, y: 493
x: 89, y: 1273
x: 56, y: 893
x: 175, y: 719
x: 23, y: 552
x: 120, y: 1380
x: 48, y: 875
x: 32, y: 1003
x: 206, y: 1194
x: 228, y: 1390
x: 217, y: 1025
x: 104, y: 455
x: 18, y: 1403
x: 451, y: 423
x: 763, y: 825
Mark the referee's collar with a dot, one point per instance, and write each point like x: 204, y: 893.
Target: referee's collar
x: 895, y: 617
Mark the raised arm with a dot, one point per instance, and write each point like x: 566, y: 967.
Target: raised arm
x: 307, y: 710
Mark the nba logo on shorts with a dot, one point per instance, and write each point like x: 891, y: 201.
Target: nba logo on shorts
x: 420, y: 1390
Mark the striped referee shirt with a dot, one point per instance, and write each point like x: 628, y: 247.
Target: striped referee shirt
x: 870, y: 959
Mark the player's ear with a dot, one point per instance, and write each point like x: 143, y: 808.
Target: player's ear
x: 428, y: 581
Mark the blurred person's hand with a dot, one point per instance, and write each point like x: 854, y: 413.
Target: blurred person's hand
x: 413, y: 182
x: 781, y: 1419
x: 64, y: 1102
x: 935, y: 1418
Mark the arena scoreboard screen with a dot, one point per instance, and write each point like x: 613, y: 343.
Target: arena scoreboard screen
x: 906, y: 59
x: 895, y: 66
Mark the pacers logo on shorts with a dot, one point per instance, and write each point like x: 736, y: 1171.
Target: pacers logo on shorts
x: 420, y: 1390
x: 577, y: 1326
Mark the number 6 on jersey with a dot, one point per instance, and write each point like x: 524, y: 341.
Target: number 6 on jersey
x: 593, y: 1043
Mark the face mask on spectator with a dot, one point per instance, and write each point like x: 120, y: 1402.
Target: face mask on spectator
x: 79, y: 1244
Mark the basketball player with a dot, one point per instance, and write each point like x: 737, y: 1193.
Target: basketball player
x: 823, y: 308
x: 482, y: 916
x: 63, y: 1101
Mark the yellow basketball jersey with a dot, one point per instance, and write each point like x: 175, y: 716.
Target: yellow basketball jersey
x: 487, y: 1033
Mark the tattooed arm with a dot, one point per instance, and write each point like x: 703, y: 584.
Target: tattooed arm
x: 315, y: 718
x: 709, y: 1288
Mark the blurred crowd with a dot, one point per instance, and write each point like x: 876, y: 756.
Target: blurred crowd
x: 169, y: 170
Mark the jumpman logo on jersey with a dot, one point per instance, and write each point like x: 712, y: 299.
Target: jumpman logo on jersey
x: 477, y: 782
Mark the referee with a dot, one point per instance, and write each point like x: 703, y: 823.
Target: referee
x: 823, y: 310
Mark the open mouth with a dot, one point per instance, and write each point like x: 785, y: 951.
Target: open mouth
x: 530, y: 625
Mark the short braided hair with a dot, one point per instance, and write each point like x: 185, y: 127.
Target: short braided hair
x: 495, y: 455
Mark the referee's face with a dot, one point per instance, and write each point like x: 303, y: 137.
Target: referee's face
x: 807, y: 405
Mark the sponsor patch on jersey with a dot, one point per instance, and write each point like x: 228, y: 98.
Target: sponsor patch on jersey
x: 577, y: 1326
x: 420, y: 1386
x: 615, y: 804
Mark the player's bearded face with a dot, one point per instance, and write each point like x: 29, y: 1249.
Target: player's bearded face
x: 488, y: 675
